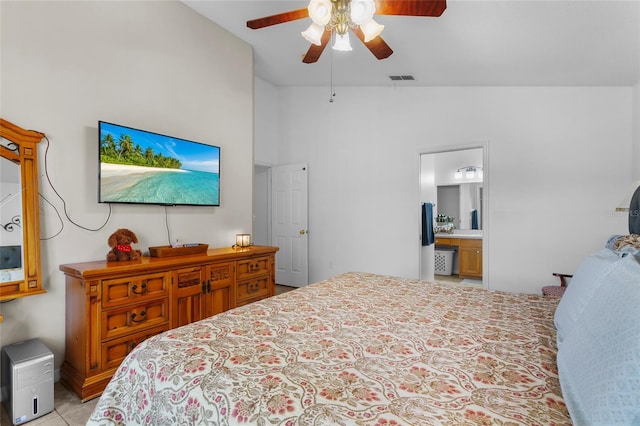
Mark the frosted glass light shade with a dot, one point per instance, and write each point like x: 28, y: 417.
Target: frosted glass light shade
x: 320, y: 11
x: 470, y: 174
x: 362, y: 11
x: 371, y: 30
x: 342, y: 43
x: 313, y: 34
x: 458, y: 175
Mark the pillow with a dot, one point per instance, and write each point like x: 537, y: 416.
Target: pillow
x: 599, y: 361
x: 625, y: 244
x: 590, y: 274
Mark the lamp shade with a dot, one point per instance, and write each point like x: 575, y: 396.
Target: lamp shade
x: 314, y: 34
x: 320, y: 11
x: 342, y: 43
x: 362, y: 11
x: 371, y: 29
x: 243, y: 240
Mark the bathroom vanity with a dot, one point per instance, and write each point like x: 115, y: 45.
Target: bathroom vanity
x: 469, y: 247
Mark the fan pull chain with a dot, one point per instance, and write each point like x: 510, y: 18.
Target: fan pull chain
x: 332, y: 93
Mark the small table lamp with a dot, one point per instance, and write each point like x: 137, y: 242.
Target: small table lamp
x: 243, y: 240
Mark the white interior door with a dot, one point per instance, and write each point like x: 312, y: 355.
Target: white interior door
x: 289, y: 224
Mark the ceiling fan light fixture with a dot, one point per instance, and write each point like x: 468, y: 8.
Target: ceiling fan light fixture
x: 320, y: 11
x: 362, y: 11
x: 313, y: 34
x: 371, y: 30
x: 342, y: 43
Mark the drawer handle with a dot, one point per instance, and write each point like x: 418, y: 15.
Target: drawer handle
x: 253, y: 287
x: 143, y: 314
x: 254, y: 267
x: 143, y: 291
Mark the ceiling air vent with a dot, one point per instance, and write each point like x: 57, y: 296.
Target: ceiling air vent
x: 401, y: 77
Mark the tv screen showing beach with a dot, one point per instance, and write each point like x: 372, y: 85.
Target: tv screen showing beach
x: 142, y: 167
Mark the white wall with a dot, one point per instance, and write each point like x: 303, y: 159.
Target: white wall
x: 428, y: 193
x: 266, y: 122
x: 557, y: 157
x: 153, y: 65
x: 636, y: 129
x: 266, y: 139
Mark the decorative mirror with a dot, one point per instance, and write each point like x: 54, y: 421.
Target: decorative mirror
x: 19, y: 212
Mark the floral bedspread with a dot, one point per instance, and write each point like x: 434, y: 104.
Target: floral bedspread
x: 356, y: 349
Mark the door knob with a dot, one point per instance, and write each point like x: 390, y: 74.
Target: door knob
x: 303, y: 231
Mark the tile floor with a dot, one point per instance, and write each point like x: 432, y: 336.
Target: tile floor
x: 455, y: 279
x: 68, y: 409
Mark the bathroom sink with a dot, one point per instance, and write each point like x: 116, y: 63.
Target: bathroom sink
x: 462, y: 233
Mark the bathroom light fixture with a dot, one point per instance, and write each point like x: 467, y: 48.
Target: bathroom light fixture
x: 243, y: 240
x: 623, y: 206
x: 470, y: 172
x: 340, y: 15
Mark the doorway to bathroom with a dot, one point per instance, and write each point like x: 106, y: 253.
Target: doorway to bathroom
x: 455, y: 182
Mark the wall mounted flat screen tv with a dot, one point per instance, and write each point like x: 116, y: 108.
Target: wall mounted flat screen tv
x: 141, y: 167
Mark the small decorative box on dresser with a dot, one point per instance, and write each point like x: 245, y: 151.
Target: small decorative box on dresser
x: 113, y: 306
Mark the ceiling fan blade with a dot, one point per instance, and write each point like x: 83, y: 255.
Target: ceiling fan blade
x: 377, y: 46
x: 411, y: 7
x: 280, y: 18
x: 314, y: 52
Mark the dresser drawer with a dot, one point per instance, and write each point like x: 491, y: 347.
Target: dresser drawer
x: 134, y: 289
x: 114, y: 351
x: 447, y: 241
x: 254, y: 288
x: 252, y: 267
x: 120, y: 321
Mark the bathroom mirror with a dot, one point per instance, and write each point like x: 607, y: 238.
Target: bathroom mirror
x: 459, y: 201
x: 20, y: 270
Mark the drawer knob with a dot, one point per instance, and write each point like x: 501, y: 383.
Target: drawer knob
x: 253, y: 287
x: 142, y: 291
x: 143, y: 314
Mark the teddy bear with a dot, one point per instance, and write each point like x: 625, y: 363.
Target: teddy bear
x: 120, y: 243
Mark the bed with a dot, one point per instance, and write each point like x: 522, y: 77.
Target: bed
x: 354, y: 349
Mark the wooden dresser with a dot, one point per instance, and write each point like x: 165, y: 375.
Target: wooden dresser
x: 113, y: 306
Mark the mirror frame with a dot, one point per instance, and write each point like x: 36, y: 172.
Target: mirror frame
x: 26, y: 155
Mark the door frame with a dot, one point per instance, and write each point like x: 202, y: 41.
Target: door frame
x: 265, y: 211
x: 268, y: 211
x: 486, y: 234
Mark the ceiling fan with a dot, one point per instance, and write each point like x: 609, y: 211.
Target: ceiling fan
x: 340, y: 16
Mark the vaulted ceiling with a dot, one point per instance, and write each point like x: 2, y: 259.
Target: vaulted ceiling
x: 474, y: 43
